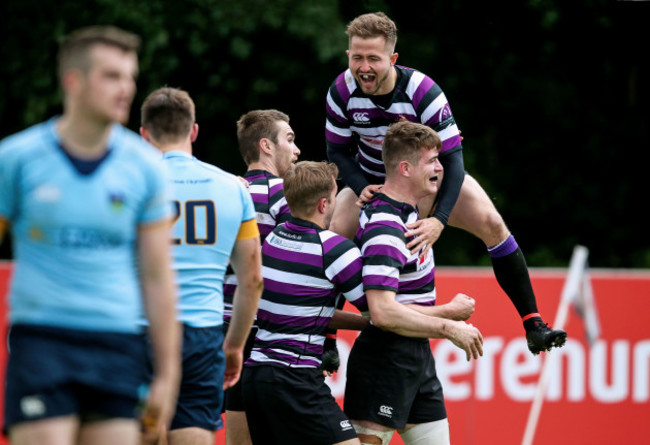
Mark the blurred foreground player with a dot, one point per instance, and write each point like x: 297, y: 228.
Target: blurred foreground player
x: 86, y: 201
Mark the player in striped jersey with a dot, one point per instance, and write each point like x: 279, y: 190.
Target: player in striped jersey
x: 267, y: 145
x: 362, y: 102
x: 391, y: 380
x: 215, y: 223
x: 305, y: 267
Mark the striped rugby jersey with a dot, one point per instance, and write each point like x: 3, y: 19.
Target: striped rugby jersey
x: 356, y: 118
x: 305, y: 268
x: 387, y: 263
x: 272, y: 210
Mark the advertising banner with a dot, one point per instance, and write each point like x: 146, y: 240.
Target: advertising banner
x: 596, y: 393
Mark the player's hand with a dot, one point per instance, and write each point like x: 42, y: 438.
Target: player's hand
x: 461, y: 307
x: 367, y: 194
x: 466, y: 337
x: 330, y: 361
x: 234, y: 364
x: 159, y: 408
x: 426, y: 232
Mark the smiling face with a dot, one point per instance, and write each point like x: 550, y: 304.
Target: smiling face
x: 106, y: 91
x: 371, y: 63
x: 427, y: 173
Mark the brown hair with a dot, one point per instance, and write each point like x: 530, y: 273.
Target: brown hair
x: 254, y: 126
x: 168, y: 114
x: 374, y: 24
x: 403, y: 142
x: 74, y: 49
x: 307, y: 182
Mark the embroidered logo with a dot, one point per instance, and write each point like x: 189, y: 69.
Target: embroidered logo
x: 345, y: 425
x: 386, y: 411
x: 360, y: 117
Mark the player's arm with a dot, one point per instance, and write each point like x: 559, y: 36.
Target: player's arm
x: 389, y: 315
x: 246, y: 260
x: 349, y: 169
x: 454, y: 168
x: 348, y: 320
x: 461, y: 307
x: 159, y: 299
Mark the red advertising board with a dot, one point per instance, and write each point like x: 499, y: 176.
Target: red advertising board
x: 596, y: 394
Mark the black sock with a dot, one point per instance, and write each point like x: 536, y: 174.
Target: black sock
x: 511, y: 272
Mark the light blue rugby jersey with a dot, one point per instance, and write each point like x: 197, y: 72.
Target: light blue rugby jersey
x: 73, y: 234
x: 211, y: 206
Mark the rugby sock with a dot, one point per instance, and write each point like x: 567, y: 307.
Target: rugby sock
x: 511, y: 272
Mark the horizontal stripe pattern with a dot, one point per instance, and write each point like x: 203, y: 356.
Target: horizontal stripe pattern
x: 272, y: 209
x: 387, y: 263
x: 305, y: 268
x: 416, y: 97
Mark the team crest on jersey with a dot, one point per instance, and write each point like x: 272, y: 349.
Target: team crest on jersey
x: 117, y: 201
x: 444, y: 113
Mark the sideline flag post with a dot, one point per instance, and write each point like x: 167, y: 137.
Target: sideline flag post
x: 577, y: 291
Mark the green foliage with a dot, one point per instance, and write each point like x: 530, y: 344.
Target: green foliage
x: 549, y: 95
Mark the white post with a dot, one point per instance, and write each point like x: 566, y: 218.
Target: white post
x: 571, y: 289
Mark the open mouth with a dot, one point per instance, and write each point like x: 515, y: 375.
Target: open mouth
x: 367, y: 79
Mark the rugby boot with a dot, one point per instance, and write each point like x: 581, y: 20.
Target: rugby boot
x: 542, y: 338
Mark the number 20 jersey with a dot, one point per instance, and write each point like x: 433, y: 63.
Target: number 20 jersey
x: 211, y: 206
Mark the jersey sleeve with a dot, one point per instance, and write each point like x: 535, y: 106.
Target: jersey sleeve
x: 384, y: 253
x: 343, y: 267
x: 434, y: 110
x: 248, y: 211
x: 452, y: 162
x: 278, y: 206
x: 248, y: 230
x: 339, y: 138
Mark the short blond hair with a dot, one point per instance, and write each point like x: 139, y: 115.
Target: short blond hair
x: 307, y: 182
x: 374, y: 24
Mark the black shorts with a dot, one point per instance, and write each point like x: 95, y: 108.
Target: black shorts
x: 233, y: 398
x: 292, y: 405
x: 56, y: 372
x: 392, y: 381
x: 200, y: 394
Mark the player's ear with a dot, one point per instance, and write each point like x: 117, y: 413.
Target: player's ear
x: 144, y: 133
x: 405, y: 168
x: 393, y: 58
x: 71, y: 80
x: 265, y: 145
x: 194, y: 132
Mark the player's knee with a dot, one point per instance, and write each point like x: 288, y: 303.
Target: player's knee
x: 430, y: 433
x: 493, y: 229
x: 370, y: 436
